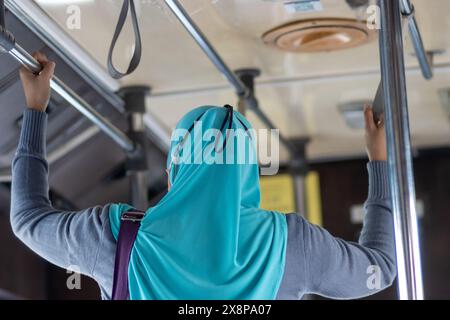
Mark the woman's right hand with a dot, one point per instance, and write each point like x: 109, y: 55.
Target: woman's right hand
x: 375, y: 136
x: 37, y: 87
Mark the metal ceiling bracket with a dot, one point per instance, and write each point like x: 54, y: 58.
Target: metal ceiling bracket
x: 137, y: 164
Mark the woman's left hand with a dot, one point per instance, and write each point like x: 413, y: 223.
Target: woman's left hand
x: 375, y: 137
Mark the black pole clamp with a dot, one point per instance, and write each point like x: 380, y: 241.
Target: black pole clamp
x: 7, y: 40
x: 247, y: 76
x: 299, y: 163
x: 135, y: 104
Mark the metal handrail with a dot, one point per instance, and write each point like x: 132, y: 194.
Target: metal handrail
x: 416, y: 38
x: 241, y: 90
x: 74, y: 100
x: 401, y: 175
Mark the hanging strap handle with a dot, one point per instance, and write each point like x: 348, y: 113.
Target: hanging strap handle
x: 137, y: 54
x: 129, y: 227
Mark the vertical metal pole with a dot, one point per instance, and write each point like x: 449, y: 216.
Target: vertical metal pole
x: 299, y: 169
x: 401, y: 176
x: 137, y: 165
x: 138, y: 190
x: 299, y: 188
x: 2, y: 14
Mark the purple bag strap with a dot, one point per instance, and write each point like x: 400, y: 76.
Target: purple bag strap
x: 129, y: 227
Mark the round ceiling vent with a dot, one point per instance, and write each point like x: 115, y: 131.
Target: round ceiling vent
x: 319, y: 35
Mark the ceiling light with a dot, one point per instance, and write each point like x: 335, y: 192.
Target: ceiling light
x: 353, y: 114
x: 319, y: 35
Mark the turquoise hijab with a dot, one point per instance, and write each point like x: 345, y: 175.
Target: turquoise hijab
x: 208, y: 238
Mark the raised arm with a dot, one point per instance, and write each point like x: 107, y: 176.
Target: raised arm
x: 66, y: 239
x: 345, y: 270
x: 340, y: 269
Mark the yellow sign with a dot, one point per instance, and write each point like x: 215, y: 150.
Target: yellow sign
x: 277, y: 193
x: 313, y: 199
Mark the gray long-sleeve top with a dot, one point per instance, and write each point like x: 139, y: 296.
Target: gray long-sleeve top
x: 316, y: 262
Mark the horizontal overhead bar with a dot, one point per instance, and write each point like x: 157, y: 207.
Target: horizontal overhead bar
x: 241, y: 90
x: 45, y: 28
x: 414, y: 32
x: 73, y: 99
x: 314, y: 79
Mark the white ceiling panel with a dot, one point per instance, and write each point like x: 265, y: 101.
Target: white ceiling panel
x: 300, y: 92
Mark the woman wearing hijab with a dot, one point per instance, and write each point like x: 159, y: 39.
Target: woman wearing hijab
x: 207, y: 238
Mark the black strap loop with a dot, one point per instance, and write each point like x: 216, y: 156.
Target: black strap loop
x: 137, y: 54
